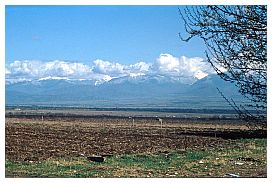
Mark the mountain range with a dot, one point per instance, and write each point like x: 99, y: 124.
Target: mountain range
x: 130, y: 91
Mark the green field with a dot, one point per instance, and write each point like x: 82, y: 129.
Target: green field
x: 244, y: 157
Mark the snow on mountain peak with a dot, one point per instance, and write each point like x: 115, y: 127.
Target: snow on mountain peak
x: 53, y: 78
x: 136, y: 74
x: 105, y: 78
x: 200, y: 74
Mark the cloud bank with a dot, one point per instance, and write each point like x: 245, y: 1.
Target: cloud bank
x: 101, y: 70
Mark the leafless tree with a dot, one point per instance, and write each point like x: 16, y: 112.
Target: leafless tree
x: 236, y: 41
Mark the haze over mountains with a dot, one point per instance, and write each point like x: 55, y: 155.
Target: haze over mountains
x: 168, y: 82
x: 137, y: 91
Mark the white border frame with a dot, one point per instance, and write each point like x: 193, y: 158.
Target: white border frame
x: 128, y: 2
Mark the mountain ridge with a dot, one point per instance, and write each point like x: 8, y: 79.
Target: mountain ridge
x: 143, y: 91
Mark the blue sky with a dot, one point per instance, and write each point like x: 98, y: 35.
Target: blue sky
x: 123, y: 34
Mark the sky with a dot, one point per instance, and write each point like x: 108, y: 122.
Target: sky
x: 124, y: 34
x: 111, y: 41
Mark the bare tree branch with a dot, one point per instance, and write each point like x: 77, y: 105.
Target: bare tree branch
x: 236, y: 40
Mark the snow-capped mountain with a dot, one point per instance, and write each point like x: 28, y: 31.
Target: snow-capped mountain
x: 159, y: 79
x: 127, y: 91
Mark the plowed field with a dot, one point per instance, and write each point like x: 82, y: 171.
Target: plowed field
x: 33, y: 139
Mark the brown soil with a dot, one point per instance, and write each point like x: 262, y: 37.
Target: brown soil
x: 36, y: 139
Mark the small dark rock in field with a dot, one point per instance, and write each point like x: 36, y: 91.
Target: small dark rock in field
x: 107, y: 155
x: 96, y: 158
x: 248, y: 159
x: 30, y: 159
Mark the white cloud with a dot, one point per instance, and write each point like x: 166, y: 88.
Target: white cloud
x: 65, y: 69
x: 183, y: 67
x: 101, y: 71
x: 166, y: 63
x: 33, y: 70
x: 117, y: 70
x: 105, y: 67
x: 140, y: 67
